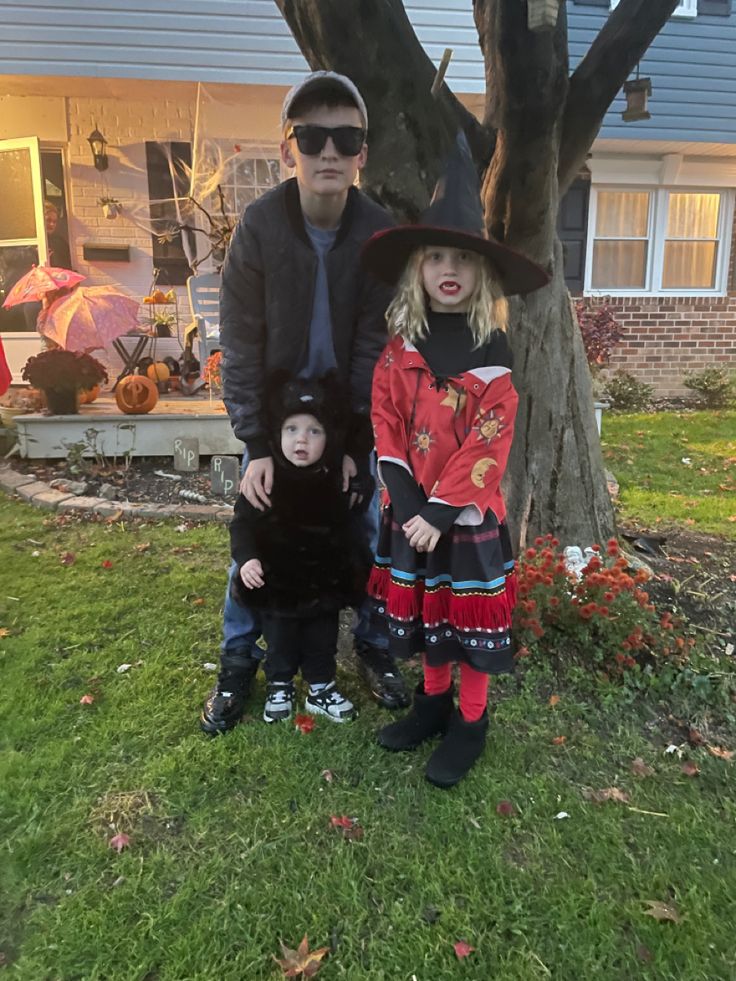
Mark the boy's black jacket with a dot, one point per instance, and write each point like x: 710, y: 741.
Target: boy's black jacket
x: 309, y: 543
x: 266, y: 304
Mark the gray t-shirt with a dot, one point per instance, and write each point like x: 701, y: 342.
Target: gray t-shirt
x: 321, y: 350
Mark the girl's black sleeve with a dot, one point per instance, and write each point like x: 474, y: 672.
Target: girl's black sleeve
x: 407, y: 497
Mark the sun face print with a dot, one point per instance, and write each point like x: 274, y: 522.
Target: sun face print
x: 488, y: 425
x: 423, y: 440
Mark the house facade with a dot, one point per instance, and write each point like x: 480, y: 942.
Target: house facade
x: 171, y: 84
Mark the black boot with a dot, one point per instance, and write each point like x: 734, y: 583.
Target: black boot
x: 458, y: 751
x: 224, y: 706
x: 429, y: 715
x: 382, y: 675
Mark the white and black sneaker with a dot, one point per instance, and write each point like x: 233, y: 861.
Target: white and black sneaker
x: 279, y: 701
x: 328, y: 701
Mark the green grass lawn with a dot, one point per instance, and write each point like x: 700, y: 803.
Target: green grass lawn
x: 646, y: 453
x: 231, y: 849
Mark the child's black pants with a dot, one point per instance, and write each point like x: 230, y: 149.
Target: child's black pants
x: 308, y: 644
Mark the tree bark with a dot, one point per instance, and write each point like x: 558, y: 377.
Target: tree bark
x: 538, y: 125
x: 409, y: 132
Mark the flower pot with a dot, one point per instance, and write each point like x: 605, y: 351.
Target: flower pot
x: 62, y: 401
x: 8, y: 414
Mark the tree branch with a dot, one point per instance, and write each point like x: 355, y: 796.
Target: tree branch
x: 409, y: 131
x: 613, y: 55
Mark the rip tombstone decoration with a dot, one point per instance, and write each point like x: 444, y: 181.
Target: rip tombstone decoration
x: 224, y: 475
x: 186, y: 454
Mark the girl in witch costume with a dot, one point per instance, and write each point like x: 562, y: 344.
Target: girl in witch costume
x: 443, y: 413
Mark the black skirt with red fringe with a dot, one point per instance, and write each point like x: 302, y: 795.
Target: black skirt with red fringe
x: 452, y: 604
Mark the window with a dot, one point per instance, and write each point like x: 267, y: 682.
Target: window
x: 658, y: 241
x: 168, y: 173
x: 686, y: 8
x: 247, y: 175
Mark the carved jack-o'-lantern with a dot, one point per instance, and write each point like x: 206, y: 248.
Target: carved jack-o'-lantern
x: 136, y: 394
x: 158, y: 371
x: 89, y: 395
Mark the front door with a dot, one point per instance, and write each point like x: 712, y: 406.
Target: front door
x: 22, y: 244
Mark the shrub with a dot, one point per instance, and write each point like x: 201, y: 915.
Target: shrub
x: 714, y: 386
x: 627, y: 393
x: 603, y: 622
x: 600, y: 330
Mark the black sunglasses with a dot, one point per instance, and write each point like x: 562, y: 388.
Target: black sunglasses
x: 311, y: 140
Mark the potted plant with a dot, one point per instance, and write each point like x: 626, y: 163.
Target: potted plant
x: 212, y: 373
x: 61, y: 375
x: 111, y: 207
x: 18, y: 402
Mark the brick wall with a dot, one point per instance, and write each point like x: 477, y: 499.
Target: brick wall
x: 665, y: 337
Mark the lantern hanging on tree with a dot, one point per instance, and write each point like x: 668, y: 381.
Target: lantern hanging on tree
x: 542, y: 14
x: 637, y: 91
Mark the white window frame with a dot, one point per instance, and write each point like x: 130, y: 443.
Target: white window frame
x: 657, y: 236
x: 687, y: 9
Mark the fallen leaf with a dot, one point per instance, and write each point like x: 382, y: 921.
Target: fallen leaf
x: 209, y: 666
x: 198, y: 601
x: 690, y: 769
x: 641, y: 769
x: 107, y: 564
x: 644, y: 953
x: 431, y: 914
x: 606, y: 794
x: 143, y: 547
x: 561, y: 815
x: 695, y: 738
x: 68, y: 558
x: 559, y: 740
x: 350, y: 827
x: 662, y: 911
x: 302, y: 961
x: 722, y: 754
x: 4, y: 632
x: 327, y: 775
x: 554, y: 700
x: 86, y: 699
x: 304, y: 723
x: 122, y: 668
x: 462, y: 949
x: 505, y: 808
x: 119, y: 842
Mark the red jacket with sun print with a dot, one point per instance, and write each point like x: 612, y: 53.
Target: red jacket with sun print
x: 453, y: 437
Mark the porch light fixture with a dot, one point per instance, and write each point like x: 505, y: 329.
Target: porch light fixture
x: 542, y: 15
x: 97, y: 144
x: 637, y: 91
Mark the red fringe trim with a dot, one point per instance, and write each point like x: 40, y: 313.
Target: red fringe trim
x: 468, y: 612
x: 379, y: 582
x: 405, y: 602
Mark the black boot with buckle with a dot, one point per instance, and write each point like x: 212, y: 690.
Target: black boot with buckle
x: 381, y: 673
x: 225, y: 703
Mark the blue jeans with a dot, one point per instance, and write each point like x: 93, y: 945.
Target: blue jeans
x: 241, y: 626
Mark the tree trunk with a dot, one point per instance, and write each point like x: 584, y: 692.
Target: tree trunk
x: 538, y: 125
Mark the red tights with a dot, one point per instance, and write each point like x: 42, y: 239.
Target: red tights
x: 473, y: 687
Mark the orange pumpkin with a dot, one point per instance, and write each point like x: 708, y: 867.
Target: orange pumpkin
x: 158, y: 372
x: 89, y: 395
x: 136, y: 394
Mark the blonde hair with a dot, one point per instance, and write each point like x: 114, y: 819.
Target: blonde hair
x: 407, y: 314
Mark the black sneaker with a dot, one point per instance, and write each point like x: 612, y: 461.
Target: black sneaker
x: 382, y: 676
x: 279, y: 705
x: 225, y: 703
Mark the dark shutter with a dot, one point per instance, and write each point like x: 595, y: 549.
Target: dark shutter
x: 572, y: 227
x: 715, y: 8
x: 592, y: 3
x: 168, y: 257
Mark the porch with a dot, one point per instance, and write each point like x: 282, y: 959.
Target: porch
x: 102, y: 429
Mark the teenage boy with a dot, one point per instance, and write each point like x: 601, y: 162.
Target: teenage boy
x: 294, y: 296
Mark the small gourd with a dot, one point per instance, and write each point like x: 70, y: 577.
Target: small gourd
x: 158, y: 372
x: 86, y: 396
x: 136, y: 394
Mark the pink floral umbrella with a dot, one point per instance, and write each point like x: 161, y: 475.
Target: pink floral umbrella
x: 39, y: 281
x: 90, y: 317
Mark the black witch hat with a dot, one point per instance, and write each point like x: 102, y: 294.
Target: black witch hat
x: 454, y: 218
